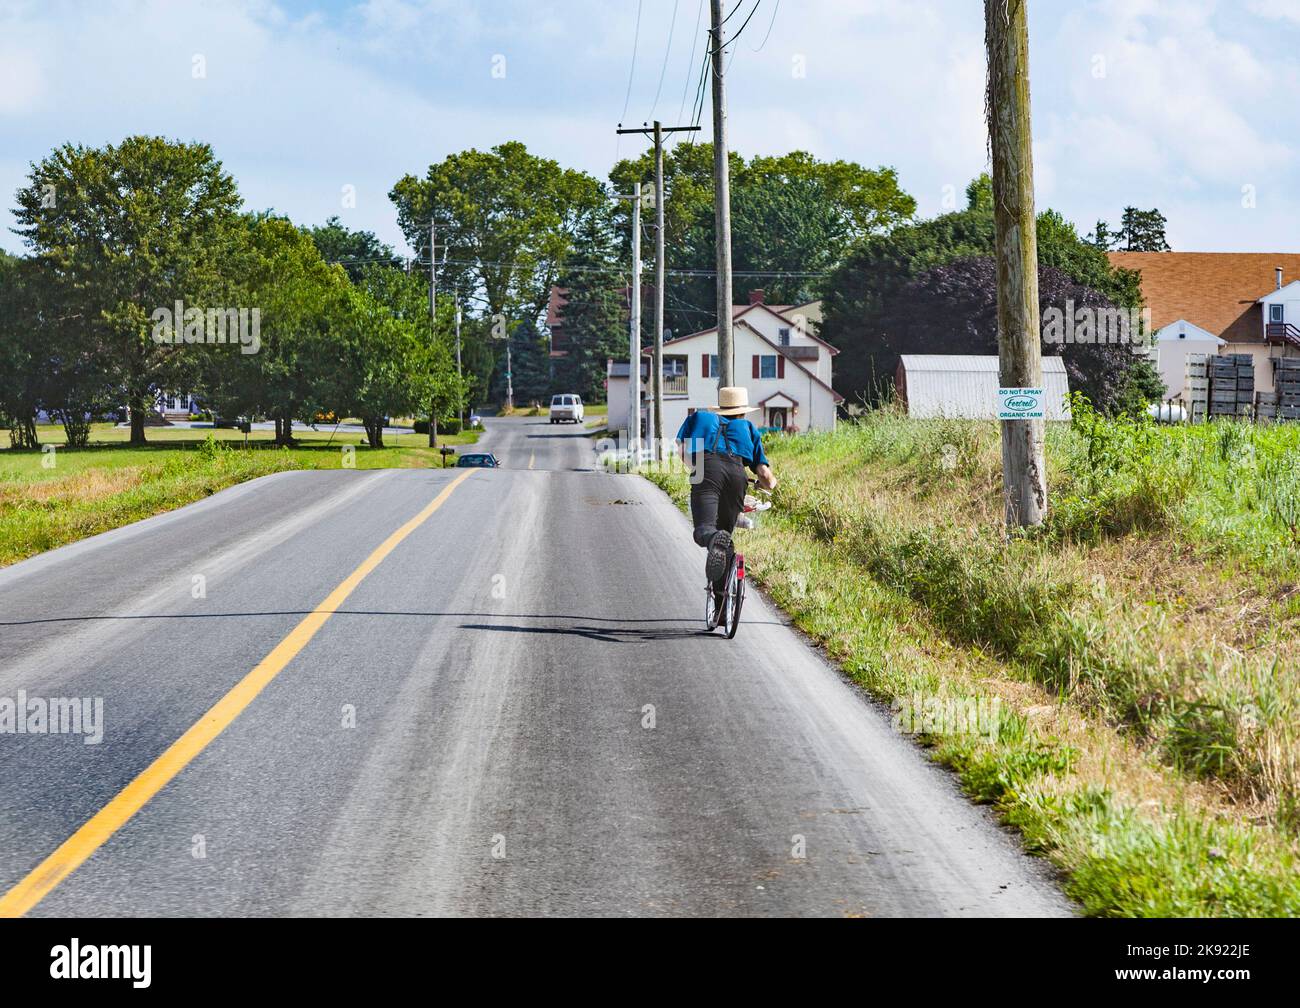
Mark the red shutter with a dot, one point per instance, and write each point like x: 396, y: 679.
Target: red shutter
x: 755, y: 365
x: 704, y: 364
x: 780, y: 366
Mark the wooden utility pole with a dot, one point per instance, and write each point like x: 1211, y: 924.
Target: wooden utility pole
x: 1006, y: 37
x: 460, y: 378
x: 634, y: 336
x: 657, y: 381
x: 433, y: 321
x: 657, y: 366
x: 634, y: 333
x: 721, y: 200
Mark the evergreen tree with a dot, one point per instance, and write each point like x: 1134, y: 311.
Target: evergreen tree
x: 596, y: 313
x: 1143, y: 230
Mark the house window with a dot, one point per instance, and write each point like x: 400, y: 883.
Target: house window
x: 1275, y: 312
x: 767, y: 366
x: 783, y: 335
x: 710, y: 365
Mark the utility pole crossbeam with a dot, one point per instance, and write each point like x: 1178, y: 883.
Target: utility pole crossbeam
x: 721, y: 200
x: 657, y: 363
x: 1006, y: 36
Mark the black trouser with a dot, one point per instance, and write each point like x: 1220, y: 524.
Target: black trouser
x: 719, y: 496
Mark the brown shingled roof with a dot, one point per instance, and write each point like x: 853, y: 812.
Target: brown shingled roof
x: 1215, y: 290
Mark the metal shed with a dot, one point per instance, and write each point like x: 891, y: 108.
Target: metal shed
x: 965, y: 386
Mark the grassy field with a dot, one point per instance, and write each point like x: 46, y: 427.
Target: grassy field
x: 48, y: 499
x: 1131, y: 669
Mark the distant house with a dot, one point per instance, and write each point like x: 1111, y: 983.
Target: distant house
x: 1241, y: 299
x: 778, y: 358
x: 965, y: 386
x: 555, y: 305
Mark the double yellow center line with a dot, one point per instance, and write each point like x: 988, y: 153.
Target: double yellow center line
x: 113, y: 816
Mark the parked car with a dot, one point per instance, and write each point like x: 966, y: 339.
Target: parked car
x: 566, y: 407
x: 477, y: 460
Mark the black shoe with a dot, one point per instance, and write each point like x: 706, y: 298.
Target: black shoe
x: 715, y: 567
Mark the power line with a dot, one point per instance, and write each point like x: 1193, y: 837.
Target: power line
x: 611, y: 270
x: 763, y: 44
x: 742, y: 28
x: 664, y: 69
x: 695, y: 37
x: 631, y: 73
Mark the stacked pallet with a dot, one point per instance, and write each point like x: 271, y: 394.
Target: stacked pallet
x: 1232, y: 384
x: 1196, y: 382
x: 1286, y: 379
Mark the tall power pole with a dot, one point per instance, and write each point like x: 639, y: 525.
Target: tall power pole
x: 1006, y: 37
x: 657, y: 367
x: 721, y: 200
x: 460, y: 410
x: 634, y: 333
x: 634, y: 339
x: 657, y: 359
x: 433, y: 305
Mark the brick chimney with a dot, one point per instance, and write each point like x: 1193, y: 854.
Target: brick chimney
x: 756, y: 296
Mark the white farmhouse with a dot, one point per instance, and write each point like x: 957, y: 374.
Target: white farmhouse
x: 786, y: 368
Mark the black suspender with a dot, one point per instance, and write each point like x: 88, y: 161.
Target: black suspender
x: 720, y: 433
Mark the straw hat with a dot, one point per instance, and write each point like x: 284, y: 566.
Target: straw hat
x: 733, y: 400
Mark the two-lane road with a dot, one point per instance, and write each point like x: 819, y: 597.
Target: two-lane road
x: 507, y: 706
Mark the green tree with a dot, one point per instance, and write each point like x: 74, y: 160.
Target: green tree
x: 596, y: 310
x: 383, y: 366
x: 505, y: 221
x: 406, y: 296
x: 875, y: 272
x: 1139, y: 231
x: 277, y: 268
x: 1103, y: 237
x: 126, y: 229
x: 47, y: 361
x: 1143, y: 230
x: 22, y: 360
x: 354, y: 250
x: 791, y: 214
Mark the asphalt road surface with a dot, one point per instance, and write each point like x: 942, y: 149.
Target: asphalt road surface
x: 514, y: 710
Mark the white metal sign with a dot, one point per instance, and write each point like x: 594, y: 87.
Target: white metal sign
x: 1020, y: 404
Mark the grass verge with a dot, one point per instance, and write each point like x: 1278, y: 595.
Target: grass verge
x: 51, y: 498
x: 1042, y: 671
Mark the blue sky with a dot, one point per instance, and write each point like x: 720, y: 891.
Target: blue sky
x: 1187, y: 105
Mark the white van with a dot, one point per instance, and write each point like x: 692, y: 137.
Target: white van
x: 566, y: 407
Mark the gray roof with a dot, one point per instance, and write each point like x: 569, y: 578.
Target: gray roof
x: 968, y: 363
x: 620, y: 369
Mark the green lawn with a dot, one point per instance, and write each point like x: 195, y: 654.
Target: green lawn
x: 48, y: 499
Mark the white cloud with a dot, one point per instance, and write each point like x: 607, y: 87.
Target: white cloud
x: 1194, y: 104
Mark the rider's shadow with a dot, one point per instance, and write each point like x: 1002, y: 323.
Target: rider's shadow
x: 607, y: 635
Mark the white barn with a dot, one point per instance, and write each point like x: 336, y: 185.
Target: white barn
x: 965, y: 386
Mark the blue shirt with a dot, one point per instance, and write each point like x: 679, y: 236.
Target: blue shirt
x: 740, y: 437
